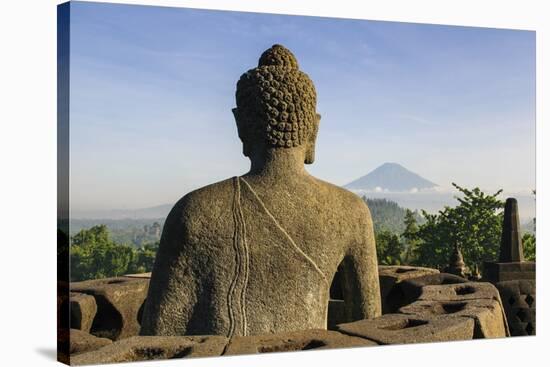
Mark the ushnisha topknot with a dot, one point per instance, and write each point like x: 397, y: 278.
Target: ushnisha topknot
x: 278, y: 55
x: 276, y: 101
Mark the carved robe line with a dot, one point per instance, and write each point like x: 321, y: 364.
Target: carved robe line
x: 296, y: 247
x: 241, y: 264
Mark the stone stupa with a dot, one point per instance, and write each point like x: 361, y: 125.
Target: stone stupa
x: 511, y: 264
x: 456, y: 263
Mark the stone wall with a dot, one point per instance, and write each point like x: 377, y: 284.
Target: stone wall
x: 420, y: 304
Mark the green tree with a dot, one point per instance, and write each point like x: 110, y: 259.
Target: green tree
x: 530, y: 240
x: 97, y: 235
x: 475, y: 224
x: 95, y: 255
x: 410, y: 235
x: 387, y: 215
x: 144, y: 259
x: 388, y: 248
x: 529, y: 246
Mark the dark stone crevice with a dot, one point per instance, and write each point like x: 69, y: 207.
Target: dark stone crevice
x: 139, y: 316
x: 108, y: 321
x: 291, y: 346
x: 183, y: 353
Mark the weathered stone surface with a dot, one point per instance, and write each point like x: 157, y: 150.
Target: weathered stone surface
x: 294, y: 341
x: 404, y: 329
x: 488, y: 315
x: 83, y: 311
x: 398, y: 273
x: 449, y: 308
x: 409, y: 290
x: 256, y: 254
x: 459, y: 292
x: 84, y: 342
x: 118, y: 301
x: 465, y: 292
x: 390, y: 276
x: 144, y: 348
x: 519, y: 298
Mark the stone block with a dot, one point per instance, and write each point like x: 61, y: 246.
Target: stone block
x: 488, y: 315
x: 119, y: 305
x: 83, y: 311
x: 498, y: 272
x: 506, y: 276
x: 294, y: 341
x: 405, y: 329
x: 389, y: 276
x: 459, y: 292
x: 408, y: 290
x: 84, y: 342
x: 145, y: 348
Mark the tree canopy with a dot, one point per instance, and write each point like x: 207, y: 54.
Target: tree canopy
x: 475, y: 225
x: 94, y: 255
x: 388, y: 248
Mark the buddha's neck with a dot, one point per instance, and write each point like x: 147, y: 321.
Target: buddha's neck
x: 278, y: 163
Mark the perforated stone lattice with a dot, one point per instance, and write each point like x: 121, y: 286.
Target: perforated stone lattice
x: 529, y: 300
x: 519, y: 305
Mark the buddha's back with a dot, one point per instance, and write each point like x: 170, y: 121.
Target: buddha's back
x: 256, y: 254
x: 241, y: 258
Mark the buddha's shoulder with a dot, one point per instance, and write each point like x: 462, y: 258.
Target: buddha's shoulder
x: 207, y: 201
x: 338, y: 192
x: 340, y: 197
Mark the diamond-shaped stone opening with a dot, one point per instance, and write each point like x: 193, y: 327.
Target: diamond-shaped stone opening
x: 529, y: 300
x: 529, y: 328
x: 512, y: 300
x: 521, y: 315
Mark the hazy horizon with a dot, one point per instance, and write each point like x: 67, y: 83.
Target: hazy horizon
x: 152, y: 90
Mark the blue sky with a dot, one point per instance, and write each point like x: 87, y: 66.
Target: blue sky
x: 152, y: 90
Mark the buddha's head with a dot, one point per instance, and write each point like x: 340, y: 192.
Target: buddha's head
x: 276, y: 106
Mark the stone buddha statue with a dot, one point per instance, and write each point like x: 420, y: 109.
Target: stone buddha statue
x: 257, y: 253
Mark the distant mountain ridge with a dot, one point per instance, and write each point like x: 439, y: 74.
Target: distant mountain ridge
x: 390, y: 181
x: 155, y: 212
x: 391, y: 177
